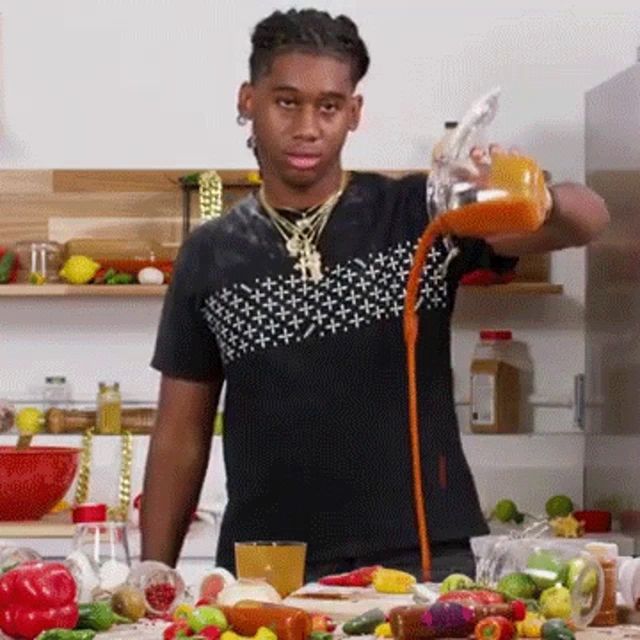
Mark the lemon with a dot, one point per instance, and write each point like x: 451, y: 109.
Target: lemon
x: 79, y: 269
x: 559, y: 506
x: 555, y: 602
x: 29, y: 421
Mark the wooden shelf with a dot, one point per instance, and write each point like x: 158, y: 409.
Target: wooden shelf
x: 518, y: 288
x: 147, y: 291
x: 82, y: 290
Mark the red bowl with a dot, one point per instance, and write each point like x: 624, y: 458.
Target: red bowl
x: 594, y: 521
x: 35, y: 479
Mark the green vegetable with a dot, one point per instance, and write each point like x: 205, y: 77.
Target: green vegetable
x: 556, y: 629
x: 66, y: 634
x: 205, y: 616
x: 456, y: 582
x: 98, y: 616
x: 117, y: 277
x: 365, y: 623
x: 320, y: 635
x: 6, y: 266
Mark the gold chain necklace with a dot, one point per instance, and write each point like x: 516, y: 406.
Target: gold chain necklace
x: 301, y: 237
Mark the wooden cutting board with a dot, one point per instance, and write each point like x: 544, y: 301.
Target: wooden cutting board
x: 344, y: 603
x: 57, y: 525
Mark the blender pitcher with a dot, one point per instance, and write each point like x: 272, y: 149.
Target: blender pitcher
x: 506, y: 195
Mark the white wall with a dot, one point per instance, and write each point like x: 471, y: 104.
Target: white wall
x: 151, y: 83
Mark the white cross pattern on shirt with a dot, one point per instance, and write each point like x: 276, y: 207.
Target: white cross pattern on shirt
x: 285, y: 310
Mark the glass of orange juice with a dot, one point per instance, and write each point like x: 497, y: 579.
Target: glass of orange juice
x: 281, y: 563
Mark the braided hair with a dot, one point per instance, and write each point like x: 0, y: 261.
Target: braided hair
x: 307, y: 31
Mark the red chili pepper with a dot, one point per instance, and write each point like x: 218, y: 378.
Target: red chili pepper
x: 36, y: 597
x: 495, y: 628
x: 479, y: 596
x: 210, y: 633
x: 362, y: 577
x: 179, y: 629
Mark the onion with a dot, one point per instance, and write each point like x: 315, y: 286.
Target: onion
x: 248, y: 589
x: 150, y: 275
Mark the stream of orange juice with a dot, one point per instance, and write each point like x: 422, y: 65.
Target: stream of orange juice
x: 520, y: 210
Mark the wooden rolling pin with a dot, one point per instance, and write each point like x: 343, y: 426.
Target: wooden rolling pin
x: 137, y: 421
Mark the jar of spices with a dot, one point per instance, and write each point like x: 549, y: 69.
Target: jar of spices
x: 56, y: 393
x: 109, y: 408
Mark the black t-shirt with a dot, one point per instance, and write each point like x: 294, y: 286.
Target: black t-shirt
x: 316, y: 442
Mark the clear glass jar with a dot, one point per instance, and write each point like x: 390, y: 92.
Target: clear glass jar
x: 100, y: 561
x: 41, y: 260
x: 109, y: 408
x: 7, y: 416
x: 11, y: 556
x: 162, y: 586
x: 56, y: 393
x: 566, y: 580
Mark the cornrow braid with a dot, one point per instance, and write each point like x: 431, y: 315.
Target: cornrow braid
x: 307, y: 31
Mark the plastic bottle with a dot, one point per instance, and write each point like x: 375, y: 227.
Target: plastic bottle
x: 495, y: 384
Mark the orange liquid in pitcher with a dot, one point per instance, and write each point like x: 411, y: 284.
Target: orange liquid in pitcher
x: 522, y: 211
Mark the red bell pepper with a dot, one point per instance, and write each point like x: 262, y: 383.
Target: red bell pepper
x: 362, y: 577
x: 36, y: 597
x: 495, y: 628
x: 475, y: 596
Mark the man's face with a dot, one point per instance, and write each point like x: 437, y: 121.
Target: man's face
x: 302, y: 110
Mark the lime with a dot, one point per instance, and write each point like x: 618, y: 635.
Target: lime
x: 555, y: 602
x: 517, y: 586
x: 545, y: 569
x: 29, y: 421
x: 559, y: 506
x: 456, y: 582
x: 506, y: 510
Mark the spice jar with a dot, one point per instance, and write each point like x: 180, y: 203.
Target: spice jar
x: 55, y: 393
x: 109, y: 408
x: 566, y: 580
x: 495, y: 384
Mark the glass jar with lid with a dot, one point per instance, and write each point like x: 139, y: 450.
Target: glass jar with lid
x: 109, y: 408
x: 162, y: 586
x: 566, y: 580
x: 100, y: 561
x: 56, y: 393
x: 40, y: 261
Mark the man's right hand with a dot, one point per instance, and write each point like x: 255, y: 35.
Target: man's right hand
x: 176, y: 464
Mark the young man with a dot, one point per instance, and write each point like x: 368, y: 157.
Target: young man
x: 295, y: 298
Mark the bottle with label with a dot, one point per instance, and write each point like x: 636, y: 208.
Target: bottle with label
x: 109, y: 408
x: 495, y: 384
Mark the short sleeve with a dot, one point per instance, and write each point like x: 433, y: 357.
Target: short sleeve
x: 478, y: 254
x: 185, y: 347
